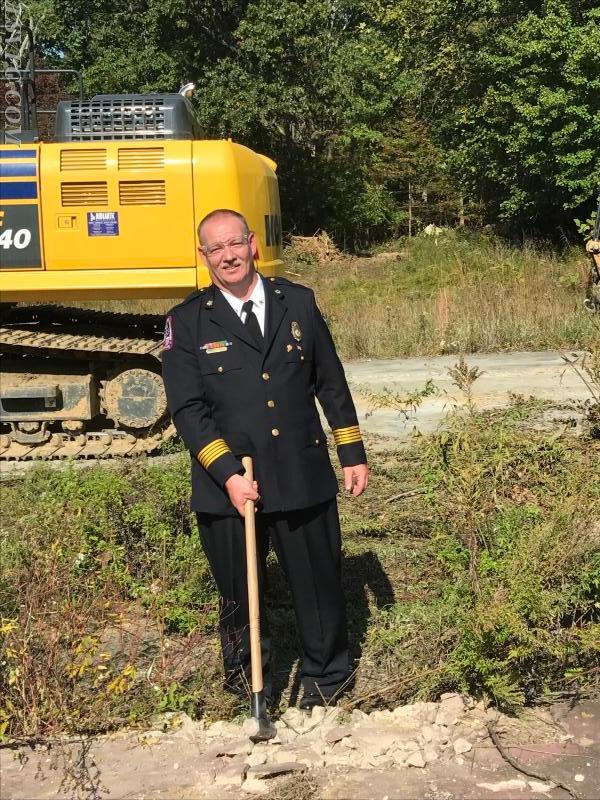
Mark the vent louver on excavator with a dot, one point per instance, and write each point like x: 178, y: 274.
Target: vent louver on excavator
x: 110, y: 117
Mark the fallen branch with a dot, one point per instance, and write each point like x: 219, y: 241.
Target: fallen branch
x: 390, y: 686
x: 541, y: 776
x: 400, y: 496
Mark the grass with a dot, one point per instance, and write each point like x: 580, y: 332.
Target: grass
x: 458, y: 293
x: 451, y: 294
x: 485, y: 577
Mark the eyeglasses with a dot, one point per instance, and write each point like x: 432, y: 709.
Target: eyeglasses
x: 216, y: 250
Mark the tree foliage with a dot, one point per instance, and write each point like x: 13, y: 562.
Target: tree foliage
x: 482, y: 108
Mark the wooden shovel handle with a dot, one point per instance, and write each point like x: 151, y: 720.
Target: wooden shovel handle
x: 252, y: 574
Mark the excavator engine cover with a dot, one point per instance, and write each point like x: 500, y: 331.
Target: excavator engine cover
x: 125, y: 117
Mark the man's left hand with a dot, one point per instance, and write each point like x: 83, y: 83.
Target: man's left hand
x: 356, y: 479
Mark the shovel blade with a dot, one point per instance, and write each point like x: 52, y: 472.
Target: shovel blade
x: 262, y: 728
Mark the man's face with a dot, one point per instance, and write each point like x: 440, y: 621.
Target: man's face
x: 229, y: 253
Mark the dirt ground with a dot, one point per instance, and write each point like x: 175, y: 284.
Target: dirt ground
x: 181, y: 760
x: 543, y: 375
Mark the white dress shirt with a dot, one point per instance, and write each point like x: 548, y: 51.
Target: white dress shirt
x: 258, y: 300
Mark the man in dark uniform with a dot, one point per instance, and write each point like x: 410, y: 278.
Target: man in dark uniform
x: 242, y: 364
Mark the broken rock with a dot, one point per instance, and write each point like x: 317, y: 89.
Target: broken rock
x: 272, y: 770
x: 256, y: 758
x: 359, y: 717
x: 294, y: 717
x: 373, y: 741
x: 336, y: 734
x: 225, y: 729
x: 451, y: 708
x: 254, y: 786
x: 415, y: 759
x: 232, y: 775
x: 238, y: 747
x: 416, y: 714
x: 461, y: 746
x: 283, y: 756
x: 430, y: 753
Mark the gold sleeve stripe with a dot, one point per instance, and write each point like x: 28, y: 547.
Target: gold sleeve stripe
x: 348, y: 435
x: 212, y: 451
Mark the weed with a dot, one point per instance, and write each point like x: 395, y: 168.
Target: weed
x: 517, y: 545
x: 105, y: 597
x: 481, y: 573
x: 406, y: 404
x: 463, y: 378
x: 587, y: 367
x: 465, y: 293
x: 298, y: 787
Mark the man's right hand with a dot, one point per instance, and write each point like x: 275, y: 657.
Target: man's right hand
x: 239, y: 490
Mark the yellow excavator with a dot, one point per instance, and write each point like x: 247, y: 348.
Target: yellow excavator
x: 107, y: 211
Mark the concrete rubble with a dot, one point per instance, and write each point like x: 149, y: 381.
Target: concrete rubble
x: 408, y: 737
x: 412, y: 748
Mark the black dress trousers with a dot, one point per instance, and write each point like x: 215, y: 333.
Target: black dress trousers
x: 307, y: 543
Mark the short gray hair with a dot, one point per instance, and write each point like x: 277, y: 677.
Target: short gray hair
x: 223, y: 212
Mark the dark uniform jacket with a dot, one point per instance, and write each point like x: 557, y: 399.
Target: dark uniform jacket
x: 229, y: 397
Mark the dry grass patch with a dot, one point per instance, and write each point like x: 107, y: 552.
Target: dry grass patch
x: 455, y: 294
x: 434, y: 295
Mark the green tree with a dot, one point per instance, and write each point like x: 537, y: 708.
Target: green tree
x: 514, y: 87
x: 493, y: 101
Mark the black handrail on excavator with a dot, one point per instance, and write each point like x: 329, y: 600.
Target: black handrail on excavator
x: 28, y: 131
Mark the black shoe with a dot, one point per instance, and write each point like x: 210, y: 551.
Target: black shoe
x: 312, y: 699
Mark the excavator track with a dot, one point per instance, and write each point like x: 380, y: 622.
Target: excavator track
x: 74, y: 329
x: 101, y: 444
x: 54, y: 331
x: 31, y: 340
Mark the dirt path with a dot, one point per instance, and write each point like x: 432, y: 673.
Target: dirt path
x: 430, y: 751
x: 543, y: 375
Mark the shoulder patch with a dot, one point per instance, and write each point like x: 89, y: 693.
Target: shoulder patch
x: 168, y: 340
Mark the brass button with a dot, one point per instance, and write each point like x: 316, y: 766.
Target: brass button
x: 301, y: 358
x: 220, y: 369
x: 275, y: 432
x: 265, y: 376
x: 271, y: 403
x: 316, y: 441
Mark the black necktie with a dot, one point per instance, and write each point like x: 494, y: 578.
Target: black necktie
x: 252, y: 323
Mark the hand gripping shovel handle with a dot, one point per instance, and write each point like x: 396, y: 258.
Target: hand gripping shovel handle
x: 265, y: 729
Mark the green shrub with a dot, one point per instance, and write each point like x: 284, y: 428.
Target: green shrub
x: 102, y: 570
x: 515, y: 530
x: 472, y: 563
